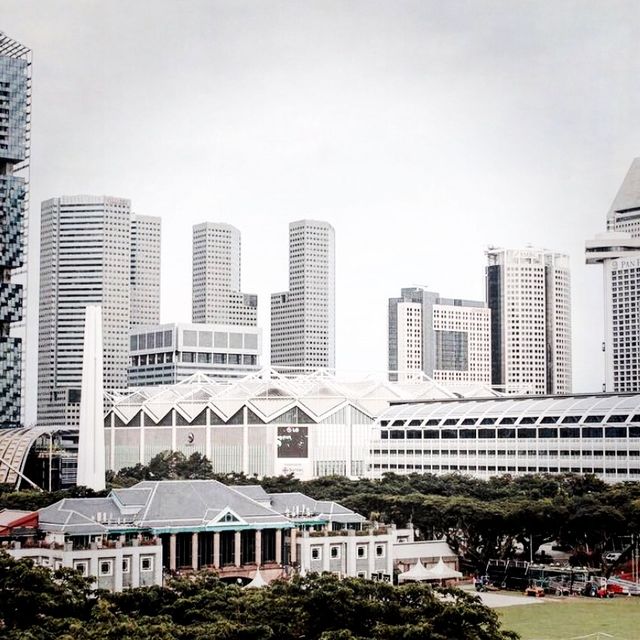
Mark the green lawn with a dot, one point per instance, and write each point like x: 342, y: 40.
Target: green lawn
x: 617, y: 617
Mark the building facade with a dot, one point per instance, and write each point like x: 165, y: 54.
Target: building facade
x: 15, y: 136
x: 265, y: 424
x: 484, y: 437
x: 618, y: 251
x: 529, y: 294
x: 303, y: 318
x: 447, y: 339
x: 216, y: 290
x: 171, y: 353
x: 86, y: 258
x: 145, y: 270
x: 134, y: 536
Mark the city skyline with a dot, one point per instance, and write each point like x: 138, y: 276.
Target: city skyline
x: 382, y: 138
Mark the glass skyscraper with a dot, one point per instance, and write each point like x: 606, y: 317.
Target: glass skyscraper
x: 15, y: 103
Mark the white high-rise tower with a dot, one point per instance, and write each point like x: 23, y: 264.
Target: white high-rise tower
x: 618, y: 251
x: 216, y: 291
x: 529, y: 294
x: 145, y: 270
x: 303, y: 318
x: 86, y: 258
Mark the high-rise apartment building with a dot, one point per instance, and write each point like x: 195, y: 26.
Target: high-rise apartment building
x: 15, y: 135
x: 85, y: 258
x: 303, y: 318
x: 618, y: 251
x: 216, y: 291
x: 447, y: 339
x: 529, y: 294
x: 145, y: 270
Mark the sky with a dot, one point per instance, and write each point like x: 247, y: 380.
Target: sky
x: 423, y: 131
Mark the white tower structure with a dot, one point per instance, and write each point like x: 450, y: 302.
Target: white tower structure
x: 529, y: 294
x: 303, y: 319
x: 618, y: 251
x: 91, y: 252
x: 91, y: 461
x: 216, y: 291
x: 145, y: 270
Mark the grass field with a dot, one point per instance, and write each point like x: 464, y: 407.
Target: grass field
x: 618, y: 617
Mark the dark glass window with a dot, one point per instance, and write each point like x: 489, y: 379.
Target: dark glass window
x: 528, y: 420
x: 468, y: 433
x: 549, y: 420
x: 448, y: 434
x: 508, y: 420
x: 570, y: 432
x: 486, y: 433
x: 506, y: 433
x: 617, y: 418
x: 527, y: 432
x: 430, y: 434
x: 488, y: 421
x: 592, y: 432
x: 414, y: 434
x: 397, y: 434
x: 591, y: 419
x: 450, y: 421
x: 415, y: 423
x: 615, y: 432
x: 432, y: 423
x: 570, y: 419
x: 547, y: 433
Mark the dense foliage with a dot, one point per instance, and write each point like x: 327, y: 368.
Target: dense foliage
x: 40, y: 605
x: 480, y: 519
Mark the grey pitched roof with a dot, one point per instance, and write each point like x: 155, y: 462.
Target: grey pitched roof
x: 80, y: 516
x: 184, y: 503
x: 132, y: 497
x: 253, y: 491
x: 301, y: 507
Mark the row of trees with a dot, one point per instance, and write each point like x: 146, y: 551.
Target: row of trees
x: 480, y: 519
x: 40, y: 605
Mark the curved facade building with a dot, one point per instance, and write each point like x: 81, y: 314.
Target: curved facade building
x: 483, y: 437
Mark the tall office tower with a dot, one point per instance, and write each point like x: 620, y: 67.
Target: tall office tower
x: 618, y: 251
x: 145, y: 270
x: 303, y: 319
x: 216, y: 295
x: 85, y: 258
x: 15, y: 135
x: 529, y: 294
x: 447, y: 339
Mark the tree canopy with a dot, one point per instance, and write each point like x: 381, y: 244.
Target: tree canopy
x: 40, y: 605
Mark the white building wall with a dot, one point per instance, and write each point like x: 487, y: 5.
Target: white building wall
x: 475, y: 322
x: 86, y: 259
x: 534, y: 338
x: 409, y: 339
x: 145, y: 270
x: 303, y: 318
x: 216, y: 291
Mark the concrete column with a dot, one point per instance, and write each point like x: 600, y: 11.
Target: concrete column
x: 194, y: 550
x: 237, y: 553
x: 172, y: 552
x: 117, y: 571
x: 294, y: 546
x: 245, y: 441
x: 258, y: 547
x: 371, y: 555
x: 278, y: 546
x: 350, y: 552
x: 326, y: 554
x: 216, y: 549
x: 135, y: 567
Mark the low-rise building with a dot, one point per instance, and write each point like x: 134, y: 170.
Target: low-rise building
x: 171, y: 353
x: 136, y: 536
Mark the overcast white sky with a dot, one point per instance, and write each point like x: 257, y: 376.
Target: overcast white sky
x: 423, y: 131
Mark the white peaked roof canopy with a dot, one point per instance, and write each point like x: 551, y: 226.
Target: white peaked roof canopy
x: 442, y: 572
x: 417, y: 573
x: 258, y: 581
